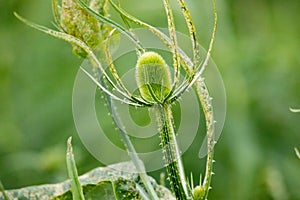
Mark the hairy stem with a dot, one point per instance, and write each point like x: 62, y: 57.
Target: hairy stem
x: 133, y: 154
x: 127, y: 142
x: 171, y: 152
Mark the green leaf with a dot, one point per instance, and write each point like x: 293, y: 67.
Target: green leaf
x: 72, y: 171
x: 111, y: 182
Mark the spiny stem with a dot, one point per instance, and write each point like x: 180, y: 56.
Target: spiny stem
x: 133, y: 155
x: 206, y: 104
x: 128, y: 144
x: 171, y: 152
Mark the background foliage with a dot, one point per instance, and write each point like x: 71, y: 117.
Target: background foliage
x: 257, y: 51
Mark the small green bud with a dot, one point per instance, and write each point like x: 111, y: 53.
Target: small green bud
x: 199, y: 192
x: 153, y: 77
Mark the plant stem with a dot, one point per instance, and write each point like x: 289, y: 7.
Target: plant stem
x: 171, y: 152
x: 73, y: 175
x: 2, y: 190
x: 128, y: 144
x: 201, y: 192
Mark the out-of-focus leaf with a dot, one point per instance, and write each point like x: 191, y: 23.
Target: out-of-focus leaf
x: 295, y: 110
x: 297, y: 153
x: 111, y: 182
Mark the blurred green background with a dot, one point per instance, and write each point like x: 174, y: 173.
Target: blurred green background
x: 257, y: 52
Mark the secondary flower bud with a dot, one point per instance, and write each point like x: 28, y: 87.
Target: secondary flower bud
x: 153, y: 77
x: 75, y: 21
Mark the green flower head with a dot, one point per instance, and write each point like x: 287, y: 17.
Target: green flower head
x: 74, y: 20
x: 153, y: 77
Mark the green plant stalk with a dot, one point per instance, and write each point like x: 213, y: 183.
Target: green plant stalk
x: 129, y: 147
x: 206, y: 103
x: 171, y: 152
x: 3, y: 191
x: 201, y: 192
x: 73, y: 175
